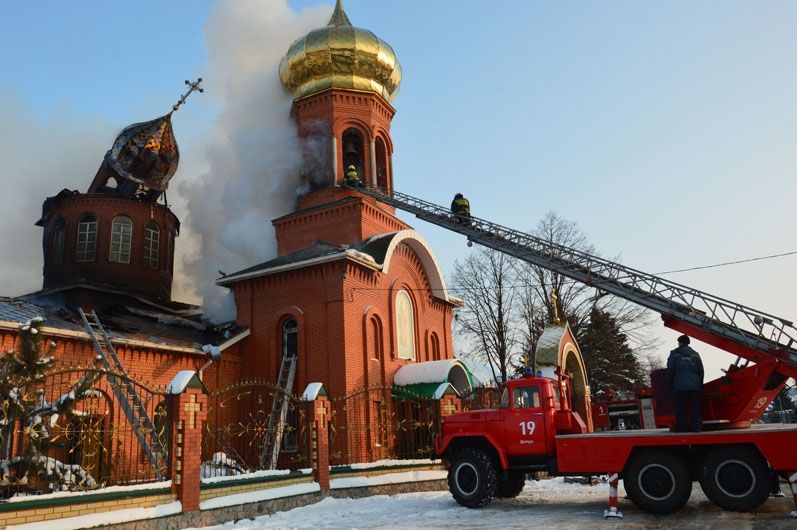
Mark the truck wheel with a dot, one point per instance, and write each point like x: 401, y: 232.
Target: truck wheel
x: 471, y: 478
x: 736, y: 478
x: 657, y: 482
x: 511, y: 487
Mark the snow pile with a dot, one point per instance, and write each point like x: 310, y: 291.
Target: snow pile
x: 311, y: 392
x: 544, y: 504
x: 259, y: 495
x: 104, y: 518
x: 213, y: 479
x: 220, y: 465
x: 110, y: 489
x: 387, y: 478
x: 393, y: 463
x: 180, y: 381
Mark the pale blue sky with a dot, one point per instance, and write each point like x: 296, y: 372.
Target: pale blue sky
x: 667, y: 130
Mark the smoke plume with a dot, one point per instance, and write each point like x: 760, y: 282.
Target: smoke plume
x: 40, y: 158
x: 253, y: 154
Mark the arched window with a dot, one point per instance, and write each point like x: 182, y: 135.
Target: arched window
x: 290, y: 338
x: 57, y: 242
x: 405, y: 326
x: 86, y: 248
x: 152, y: 239
x: 434, y: 347
x: 376, y: 331
x: 354, y: 153
x: 382, y: 179
x: 121, y: 239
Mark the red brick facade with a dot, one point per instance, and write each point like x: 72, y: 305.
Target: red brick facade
x: 61, y: 268
x: 344, y: 304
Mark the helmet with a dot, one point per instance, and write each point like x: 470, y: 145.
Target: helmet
x: 458, y: 196
x: 351, y: 168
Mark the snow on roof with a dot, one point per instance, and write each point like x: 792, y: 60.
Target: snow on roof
x: 442, y: 389
x: 428, y: 372
x: 180, y: 381
x: 551, y: 337
x: 311, y: 392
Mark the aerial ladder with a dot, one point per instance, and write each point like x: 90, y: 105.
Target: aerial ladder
x: 770, y: 342
x: 126, y: 395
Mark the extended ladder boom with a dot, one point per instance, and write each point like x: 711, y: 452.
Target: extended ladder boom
x: 738, y: 329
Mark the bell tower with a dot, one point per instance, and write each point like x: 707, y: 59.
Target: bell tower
x: 343, y: 80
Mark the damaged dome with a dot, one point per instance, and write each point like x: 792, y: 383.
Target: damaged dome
x: 146, y: 153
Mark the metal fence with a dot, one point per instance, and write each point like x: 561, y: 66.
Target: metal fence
x: 237, y: 429
x: 67, y: 430
x: 379, y: 423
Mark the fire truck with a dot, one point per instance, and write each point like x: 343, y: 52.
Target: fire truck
x: 535, y: 427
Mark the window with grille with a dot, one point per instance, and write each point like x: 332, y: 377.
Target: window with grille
x: 152, y: 237
x: 121, y: 239
x: 86, y: 248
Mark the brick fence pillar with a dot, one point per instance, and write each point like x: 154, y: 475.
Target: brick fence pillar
x: 318, y: 418
x: 188, y: 412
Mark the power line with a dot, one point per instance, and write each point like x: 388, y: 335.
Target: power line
x: 729, y: 263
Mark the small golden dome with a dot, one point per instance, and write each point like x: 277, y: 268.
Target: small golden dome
x: 340, y: 56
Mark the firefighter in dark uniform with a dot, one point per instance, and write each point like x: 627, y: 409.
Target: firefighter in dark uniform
x: 460, y: 208
x: 351, y: 178
x: 685, y: 371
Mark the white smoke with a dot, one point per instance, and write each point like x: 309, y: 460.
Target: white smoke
x: 40, y: 158
x: 253, y: 154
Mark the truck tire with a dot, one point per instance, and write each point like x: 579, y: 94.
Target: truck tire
x: 736, y: 478
x: 472, y: 479
x: 657, y: 482
x: 511, y: 487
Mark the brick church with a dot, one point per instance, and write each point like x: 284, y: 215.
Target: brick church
x: 354, y: 297
x: 354, y: 289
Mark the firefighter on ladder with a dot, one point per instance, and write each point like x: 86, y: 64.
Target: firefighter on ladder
x: 351, y: 178
x: 460, y: 209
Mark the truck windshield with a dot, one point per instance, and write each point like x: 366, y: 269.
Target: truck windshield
x: 504, y: 399
x: 527, y: 397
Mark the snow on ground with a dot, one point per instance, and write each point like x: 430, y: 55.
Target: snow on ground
x: 545, y: 504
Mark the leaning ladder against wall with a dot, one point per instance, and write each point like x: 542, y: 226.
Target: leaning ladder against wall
x: 279, y: 409
x: 126, y: 394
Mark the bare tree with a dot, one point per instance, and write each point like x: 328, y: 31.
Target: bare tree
x: 575, y: 300
x: 486, y: 280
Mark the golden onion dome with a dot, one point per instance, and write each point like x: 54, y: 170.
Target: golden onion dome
x: 340, y: 56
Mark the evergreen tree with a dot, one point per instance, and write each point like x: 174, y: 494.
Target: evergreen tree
x: 608, y: 357
x: 25, y: 406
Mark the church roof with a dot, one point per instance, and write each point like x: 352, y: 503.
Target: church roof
x: 376, y: 252
x: 318, y: 253
x: 126, y: 325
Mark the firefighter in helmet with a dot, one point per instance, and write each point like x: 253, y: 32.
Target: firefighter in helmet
x: 460, y: 208
x: 351, y: 178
